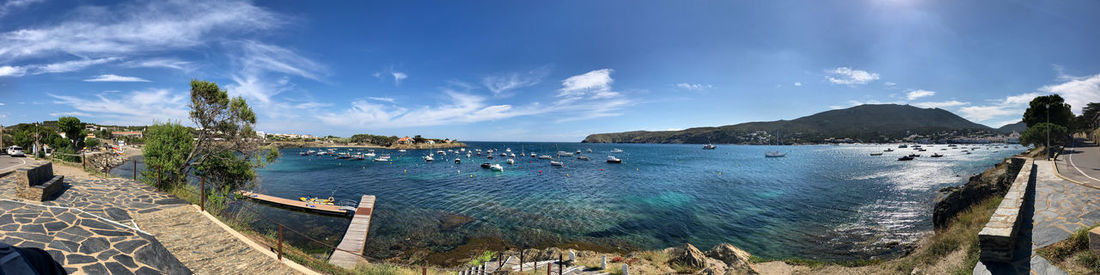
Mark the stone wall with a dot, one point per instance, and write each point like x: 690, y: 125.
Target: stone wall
x: 37, y: 183
x: 998, y: 239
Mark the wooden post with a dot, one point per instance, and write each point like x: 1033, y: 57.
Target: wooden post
x: 202, y: 196
x: 521, y: 261
x: 135, y: 169
x: 158, y: 177
x: 83, y: 162
x: 561, y: 264
x: 280, y: 242
x: 424, y: 270
x: 548, y: 268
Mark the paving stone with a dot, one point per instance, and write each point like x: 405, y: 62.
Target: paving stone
x: 129, y: 246
x: 64, y: 245
x: 94, y: 245
x: 146, y: 271
x: 96, y: 268
x: 125, y: 260
x: 55, y: 226
x: 57, y: 256
x: 96, y: 224
x: 33, y: 228
x: 106, y: 255
x: 117, y: 269
x: 79, y: 259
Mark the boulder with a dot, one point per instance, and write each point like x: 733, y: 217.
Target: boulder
x: 736, y: 260
x: 952, y: 200
x: 687, y: 256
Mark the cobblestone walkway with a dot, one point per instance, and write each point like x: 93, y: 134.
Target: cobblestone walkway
x: 1061, y: 207
x: 83, y: 242
x: 186, y: 233
x: 115, y: 198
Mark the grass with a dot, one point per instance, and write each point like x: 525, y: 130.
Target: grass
x: 1073, y: 254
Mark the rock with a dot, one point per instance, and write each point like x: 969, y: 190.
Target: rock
x: 688, y: 256
x: 603, y: 262
x: 734, y: 258
x: 626, y: 270
x: 952, y: 200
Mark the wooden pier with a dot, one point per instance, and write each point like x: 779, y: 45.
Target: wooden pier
x: 332, y: 209
x: 355, y: 237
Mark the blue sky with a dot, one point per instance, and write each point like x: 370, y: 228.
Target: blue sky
x: 554, y: 71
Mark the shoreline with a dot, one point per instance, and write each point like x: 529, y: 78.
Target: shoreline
x: 282, y: 144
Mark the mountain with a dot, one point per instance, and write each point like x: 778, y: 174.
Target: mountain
x: 863, y: 123
x: 1018, y: 127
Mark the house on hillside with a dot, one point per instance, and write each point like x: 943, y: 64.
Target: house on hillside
x: 405, y: 140
x: 135, y: 134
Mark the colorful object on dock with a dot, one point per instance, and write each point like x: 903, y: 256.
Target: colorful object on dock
x: 293, y: 203
x: 355, y: 238
x: 316, y: 200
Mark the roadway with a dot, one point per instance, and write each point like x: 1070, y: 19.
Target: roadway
x: 1080, y: 163
x: 9, y: 163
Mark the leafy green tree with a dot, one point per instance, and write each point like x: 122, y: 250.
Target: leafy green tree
x: 91, y: 143
x: 1059, y: 112
x: 418, y: 139
x: 1091, y: 115
x: 1037, y: 135
x: 73, y: 130
x: 165, y: 151
x: 23, y: 138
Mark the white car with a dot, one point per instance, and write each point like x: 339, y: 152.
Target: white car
x: 15, y: 151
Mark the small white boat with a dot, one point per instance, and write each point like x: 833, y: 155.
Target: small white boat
x: 369, y: 155
x: 496, y: 167
x: 582, y: 157
x: 616, y: 150
x: 509, y: 150
x: 556, y: 163
x: 545, y: 157
x: 458, y: 160
x: 590, y: 150
x: 383, y: 158
x: 402, y: 150
x: 511, y: 161
x: 428, y: 158
x: 613, y: 159
x: 774, y: 154
x: 533, y: 155
x: 709, y: 146
x: 512, y: 155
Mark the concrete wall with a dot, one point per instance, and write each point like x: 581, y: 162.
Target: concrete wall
x: 998, y: 239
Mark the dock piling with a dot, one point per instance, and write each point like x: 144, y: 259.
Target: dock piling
x: 280, y: 242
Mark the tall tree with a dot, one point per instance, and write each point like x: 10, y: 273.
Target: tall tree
x: 1038, y: 134
x: 1091, y: 115
x: 165, y: 150
x: 73, y: 130
x: 1051, y: 107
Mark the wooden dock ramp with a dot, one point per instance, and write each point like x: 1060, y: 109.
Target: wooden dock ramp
x: 297, y: 203
x: 355, y: 237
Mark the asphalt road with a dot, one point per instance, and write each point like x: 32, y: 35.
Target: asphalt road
x: 8, y: 163
x: 1081, y: 163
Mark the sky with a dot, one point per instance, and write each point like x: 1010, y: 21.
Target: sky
x: 549, y: 71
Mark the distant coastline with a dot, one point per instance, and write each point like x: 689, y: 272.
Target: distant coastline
x: 315, y: 144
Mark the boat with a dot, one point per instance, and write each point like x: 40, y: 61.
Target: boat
x: 402, y: 150
x: 774, y: 154
x: 556, y: 163
x: 590, y: 150
x: 888, y: 150
x: 316, y: 200
x: 458, y: 160
x: 876, y: 154
x: 709, y: 146
x: 564, y: 154
x: 358, y: 157
x: 905, y: 158
x: 578, y: 152
x: 486, y: 165
x: 382, y: 158
x: 936, y: 155
x: 511, y: 161
x: 616, y: 150
x: 533, y: 155
x: 428, y: 158
x: 914, y: 155
x: 509, y: 150
x: 512, y: 155
x: 582, y: 157
x: 545, y: 157
x: 613, y: 159
x: 504, y: 154
x: 370, y: 155
x: 496, y: 167
x: 903, y: 146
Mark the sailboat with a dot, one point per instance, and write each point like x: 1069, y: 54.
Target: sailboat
x: 555, y: 162
x: 776, y: 153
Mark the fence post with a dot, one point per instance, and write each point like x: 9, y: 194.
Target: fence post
x: 135, y: 169
x: 83, y: 162
x: 280, y: 242
x: 561, y: 264
x: 158, y: 177
x: 424, y: 270
x: 521, y: 261
x: 202, y: 200
x: 549, y: 266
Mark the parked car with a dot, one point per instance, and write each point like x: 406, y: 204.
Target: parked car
x: 15, y: 151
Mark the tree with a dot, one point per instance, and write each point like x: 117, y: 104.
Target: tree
x: 165, y: 151
x: 73, y: 130
x: 225, y: 148
x: 1037, y: 135
x: 418, y: 139
x: 1091, y: 115
x: 23, y: 138
x: 1059, y: 112
x: 91, y: 143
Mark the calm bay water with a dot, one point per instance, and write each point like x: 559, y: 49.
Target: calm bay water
x: 821, y: 201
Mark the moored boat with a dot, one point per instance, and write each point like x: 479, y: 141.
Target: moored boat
x: 613, y: 159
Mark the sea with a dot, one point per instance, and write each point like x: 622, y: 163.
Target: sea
x: 824, y: 202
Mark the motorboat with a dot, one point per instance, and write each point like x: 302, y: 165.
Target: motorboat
x: 903, y: 146
x: 582, y: 157
x: 383, y: 158
x: 428, y: 158
x: 556, y: 163
x: 914, y: 155
x: 564, y: 154
x: 936, y: 155
x: 876, y: 154
x: 511, y: 161
x: 458, y: 160
x: 590, y: 150
x: 888, y: 150
x: 905, y: 158
x: 512, y: 155
x: 613, y: 159
x: 709, y: 146
x: 496, y: 167
x: 545, y: 157
x: 533, y: 155
x: 402, y: 150
x: 486, y: 165
x: 774, y: 154
x: 616, y: 150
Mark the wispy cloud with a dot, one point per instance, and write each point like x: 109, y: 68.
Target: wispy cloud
x: 398, y: 77
x: 849, y: 76
x: 889, y: 84
x: 115, y: 78
x: 1077, y: 91
x: 135, y: 108
x: 384, y: 99
x: 264, y: 71
x: 501, y: 84
x: 918, y: 93
x: 998, y: 109
x: 595, y: 84
x: 153, y: 26
x: 696, y: 86
x: 60, y: 67
x: 940, y: 104
x: 8, y: 6
x: 12, y: 71
x: 798, y: 84
x: 170, y: 63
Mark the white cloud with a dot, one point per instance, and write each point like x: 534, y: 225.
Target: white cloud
x: 693, y: 86
x: 849, y: 76
x: 1, y: 104
x: 595, y: 84
x: 940, y: 104
x: 918, y: 93
x: 153, y: 26
x: 12, y: 71
x: 501, y: 84
x: 1077, y: 91
x: 265, y: 69
x: 170, y: 63
x: 889, y: 84
x: 397, y: 77
x: 385, y: 99
x: 1009, y: 106
x: 798, y: 84
x: 115, y: 78
x: 8, y: 6
x: 134, y: 108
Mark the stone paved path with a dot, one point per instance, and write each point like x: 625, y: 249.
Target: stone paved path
x: 1061, y: 207
x: 187, y: 234
x: 83, y: 242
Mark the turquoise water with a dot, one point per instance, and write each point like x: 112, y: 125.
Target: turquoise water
x: 821, y: 201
